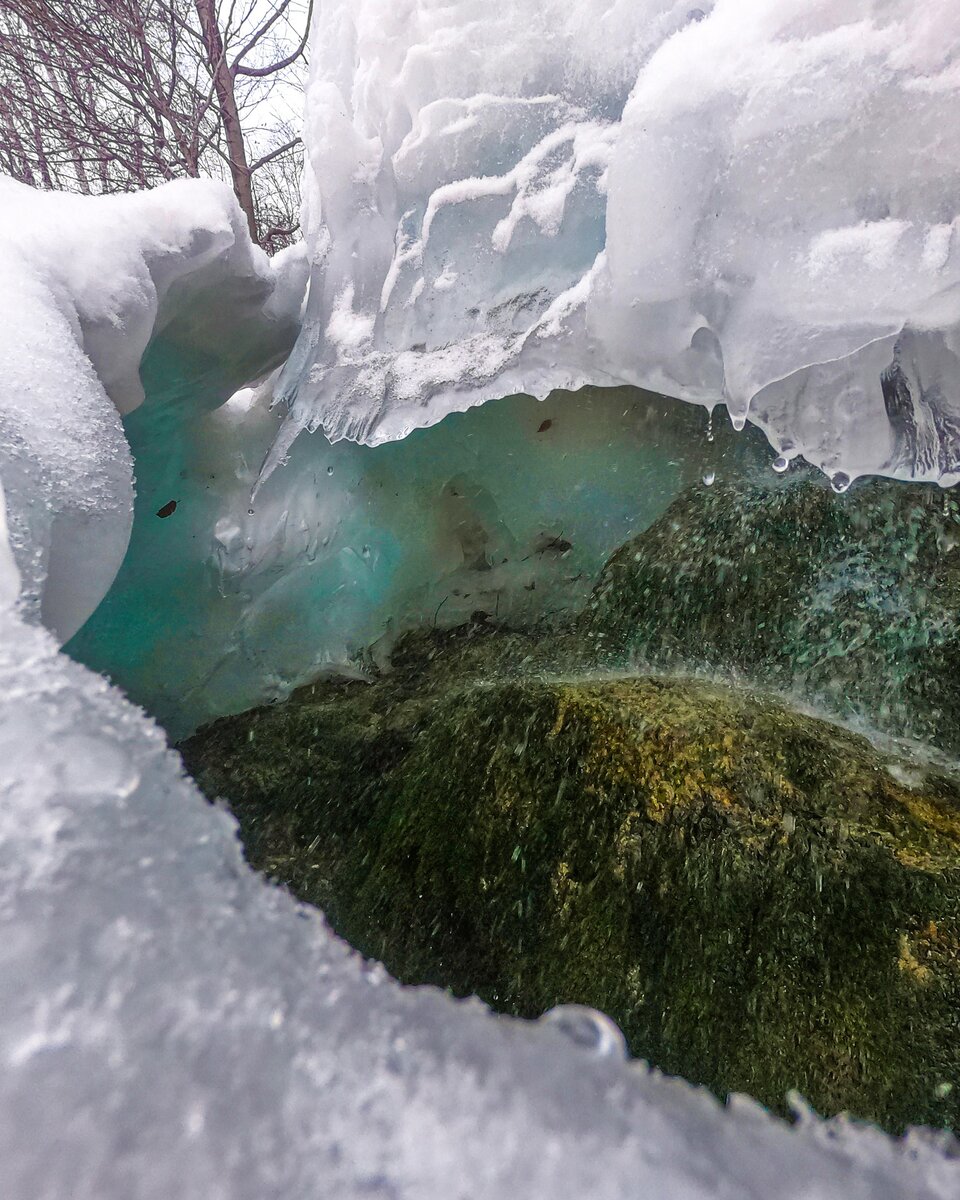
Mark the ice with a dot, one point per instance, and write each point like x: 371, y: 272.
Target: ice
x: 753, y: 201
x: 252, y: 587
x: 85, y: 286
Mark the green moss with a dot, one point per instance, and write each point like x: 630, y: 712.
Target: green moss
x: 851, y: 598
x: 761, y: 899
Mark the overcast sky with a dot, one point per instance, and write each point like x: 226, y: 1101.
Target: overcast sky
x: 285, y: 100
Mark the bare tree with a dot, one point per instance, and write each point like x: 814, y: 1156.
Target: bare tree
x: 109, y: 95
x: 276, y: 194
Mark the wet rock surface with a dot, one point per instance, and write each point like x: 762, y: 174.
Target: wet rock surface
x: 851, y: 599
x: 762, y: 899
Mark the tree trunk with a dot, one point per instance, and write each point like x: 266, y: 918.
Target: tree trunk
x: 227, y: 100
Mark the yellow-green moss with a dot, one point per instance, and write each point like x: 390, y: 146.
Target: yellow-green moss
x: 761, y: 899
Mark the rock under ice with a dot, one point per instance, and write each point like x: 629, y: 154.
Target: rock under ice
x: 747, y: 201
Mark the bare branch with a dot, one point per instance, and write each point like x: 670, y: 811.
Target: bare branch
x: 258, y: 36
x: 262, y: 162
x: 273, y: 68
x: 109, y: 95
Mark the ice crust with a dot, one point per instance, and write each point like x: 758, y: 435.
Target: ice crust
x: 750, y: 201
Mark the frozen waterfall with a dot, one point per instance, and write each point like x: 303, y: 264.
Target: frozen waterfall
x: 171, y: 1023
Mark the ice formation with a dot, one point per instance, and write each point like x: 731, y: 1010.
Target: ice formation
x: 248, y: 589
x: 517, y: 201
x: 170, y: 1024
x: 85, y: 285
x: 750, y: 201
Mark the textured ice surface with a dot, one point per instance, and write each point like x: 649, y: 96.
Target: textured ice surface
x: 84, y: 286
x: 752, y: 201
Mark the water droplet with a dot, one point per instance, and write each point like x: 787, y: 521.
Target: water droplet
x: 840, y: 482
x: 589, y: 1029
x: 780, y: 464
x: 709, y: 477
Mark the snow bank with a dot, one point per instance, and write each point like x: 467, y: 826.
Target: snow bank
x: 751, y: 201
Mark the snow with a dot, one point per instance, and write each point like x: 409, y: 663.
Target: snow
x: 85, y: 285
x: 753, y: 202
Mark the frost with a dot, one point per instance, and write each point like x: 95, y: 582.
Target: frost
x: 748, y: 202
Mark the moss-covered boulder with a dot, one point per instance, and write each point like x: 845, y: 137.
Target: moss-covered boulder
x: 851, y: 598
x: 761, y: 899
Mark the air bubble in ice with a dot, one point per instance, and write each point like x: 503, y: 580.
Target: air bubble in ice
x: 709, y: 477
x: 781, y: 464
x: 589, y: 1029
x: 840, y: 482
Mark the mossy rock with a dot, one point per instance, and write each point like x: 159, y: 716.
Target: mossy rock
x: 852, y: 598
x: 761, y: 899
